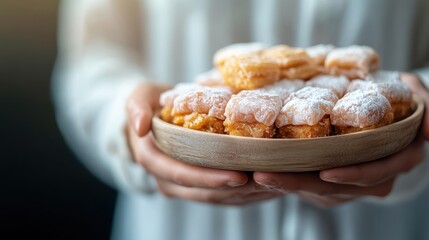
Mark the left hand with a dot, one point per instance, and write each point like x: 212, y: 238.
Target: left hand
x: 338, y: 185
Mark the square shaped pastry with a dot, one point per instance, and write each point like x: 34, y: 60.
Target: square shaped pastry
x: 354, y: 62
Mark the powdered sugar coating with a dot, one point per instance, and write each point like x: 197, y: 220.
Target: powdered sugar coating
x: 253, y: 107
x: 237, y: 49
x: 360, y: 56
x: 394, y: 91
x: 306, y: 107
x: 384, y: 76
x: 167, y: 98
x: 210, y: 101
x: 315, y: 93
x: 283, y: 88
x: 338, y: 84
x: 360, y: 108
x: 210, y: 78
x: 319, y: 52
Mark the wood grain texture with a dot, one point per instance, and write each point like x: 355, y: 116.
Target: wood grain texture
x: 285, y: 155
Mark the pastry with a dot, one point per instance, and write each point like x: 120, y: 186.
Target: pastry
x: 202, y: 109
x: 250, y: 71
x: 235, y: 50
x: 354, y: 62
x: 361, y: 110
x: 166, y: 100
x: 252, y: 114
x: 305, y: 114
x: 319, y: 52
x: 397, y: 93
x: 294, y: 63
x: 338, y: 84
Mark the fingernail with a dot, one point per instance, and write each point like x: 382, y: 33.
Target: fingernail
x: 269, y: 183
x: 332, y: 179
x: 137, y: 121
x: 234, y: 184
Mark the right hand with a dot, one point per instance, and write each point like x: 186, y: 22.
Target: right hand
x: 177, y: 179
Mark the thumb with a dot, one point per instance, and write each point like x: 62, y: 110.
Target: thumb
x: 139, y: 108
x: 140, y: 116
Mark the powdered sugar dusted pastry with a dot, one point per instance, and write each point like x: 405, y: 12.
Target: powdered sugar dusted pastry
x: 319, y: 52
x: 252, y: 114
x: 283, y: 88
x: 397, y: 93
x: 384, y: 76
x: 167, y: 98
x: 294, y: 63
x: 251, y: 71
x: 354, y: 62
x: 202, y: 109
x: 235, y: 50
x: 361, y: 110
x: 211, y: 78
x: 305, y: 114
x: 338, y: 84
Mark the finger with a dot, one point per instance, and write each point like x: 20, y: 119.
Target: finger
x: 140, y: 116
x: 416, y: 85
x: 372, y: 173
x: 185, y: 174
x: 235, y: 196
x: 141, y: 104
x: 310, y: 182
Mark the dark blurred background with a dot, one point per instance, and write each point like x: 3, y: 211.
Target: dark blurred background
x: 45, y: 192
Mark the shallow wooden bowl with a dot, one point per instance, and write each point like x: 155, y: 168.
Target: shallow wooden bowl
x: 285, y: 155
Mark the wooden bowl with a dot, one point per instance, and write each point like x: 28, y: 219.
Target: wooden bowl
x: 285, y: 155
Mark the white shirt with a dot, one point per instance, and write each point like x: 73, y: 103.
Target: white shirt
x: 106, y: 47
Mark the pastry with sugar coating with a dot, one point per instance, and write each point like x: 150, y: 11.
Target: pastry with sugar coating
x: 202, y: 109
x: 354, y: 62
x: 337, y: 84
x: 283, y: 88
x: 166, y: 100
x: 305, y: 114
x: 294, y: 63
x: 251, y: 71
x: 397, y: 93
x: 237, y: 49
x: 361, y: 110
x: 319, y: 52
x: 252, y: 114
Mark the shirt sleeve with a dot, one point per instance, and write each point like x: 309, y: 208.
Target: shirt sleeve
x: 98, y: 66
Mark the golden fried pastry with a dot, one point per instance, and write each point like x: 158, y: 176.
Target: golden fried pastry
x: 235, y: 50
x: 252, y: 114
x: 354, y: 62
x: 251, y: 71
x: 319, y: 52
x: 338, y: 84
x: 361, y: 110
x: 202, y: 109
x: 397, y: 93
x: 305, y: 114
x: 294, y: 63
x: 166, y: 100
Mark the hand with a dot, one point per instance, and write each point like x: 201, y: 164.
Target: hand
x: 338, y: 185
x: 176, y: 179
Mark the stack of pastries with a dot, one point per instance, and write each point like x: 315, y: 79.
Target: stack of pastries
x: 287, y: 92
